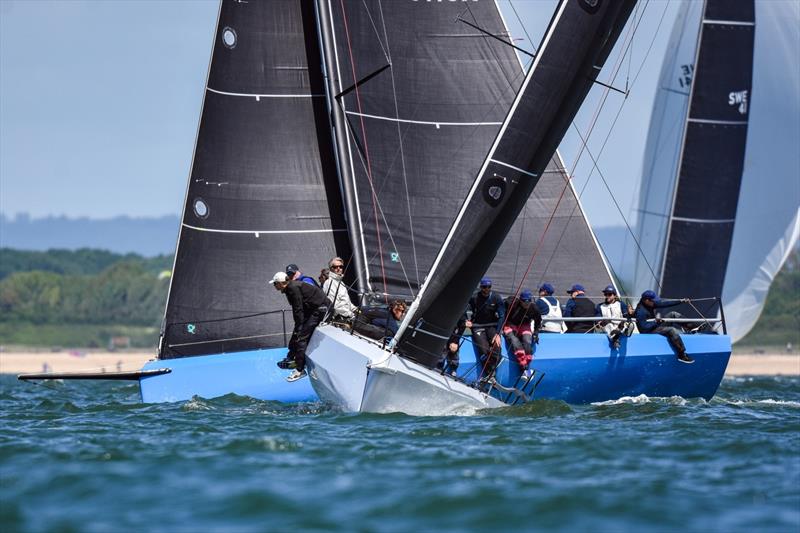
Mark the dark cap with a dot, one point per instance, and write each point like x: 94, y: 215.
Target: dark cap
x: 610, y: 290
x: 575, y: 288
x: 486, y: 282
x: 546, y: 287
x: 291, y: 269
x: 526, y: 295
x: 649, y: 295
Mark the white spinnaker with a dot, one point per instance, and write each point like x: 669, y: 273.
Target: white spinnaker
x: 768, y: 214
x: 660, y: 167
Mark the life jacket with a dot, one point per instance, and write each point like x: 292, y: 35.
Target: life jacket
x: 612, y: 310
x: 554, y: 311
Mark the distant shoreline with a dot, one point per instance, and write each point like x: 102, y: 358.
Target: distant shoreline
x: 18, y: 361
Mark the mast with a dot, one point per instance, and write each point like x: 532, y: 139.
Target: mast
x: 576, y: 45
x: 333, y: 86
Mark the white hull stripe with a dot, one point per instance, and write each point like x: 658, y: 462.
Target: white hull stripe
x: 426, y: 122
x: 257, y: 96
x: 705, y: 220
x: 531, y: 174
x: 268, y: 232
x: 722, y: 122
x: 729, y: 22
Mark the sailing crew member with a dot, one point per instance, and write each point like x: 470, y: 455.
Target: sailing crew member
x: 579, y: 305
x: 450, y: 359
x: 294, y: 273
x: 323, y: 276
x: 336, y: 291
x: 380, y: 323
x: 517, y: 327
x: 613, y: 308
x: 649, y: 322
x: 488, y: 314
x: 309, y: 306
x: 550, y: 308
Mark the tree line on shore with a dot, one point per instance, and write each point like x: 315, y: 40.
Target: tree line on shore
x: 83, y: 297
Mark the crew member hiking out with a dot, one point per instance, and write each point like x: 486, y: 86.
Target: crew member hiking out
x: 550, y: 309
x: 488, y: 314
x: 618, y: 315
x: 309, y: 306
x: 579, y: 305
x: 649, y: 322
x: 517, y: 327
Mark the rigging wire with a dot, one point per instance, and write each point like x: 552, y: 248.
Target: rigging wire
x: 366, y: 146
x: 585, y: 146
x: 594, y: 159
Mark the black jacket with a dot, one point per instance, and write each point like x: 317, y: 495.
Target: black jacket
x: 580, y: 306
x: 487, y: 311
x: 304, y: 299
x: 517, y: 315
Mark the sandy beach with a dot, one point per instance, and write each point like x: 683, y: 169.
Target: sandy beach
x: 16, y: 362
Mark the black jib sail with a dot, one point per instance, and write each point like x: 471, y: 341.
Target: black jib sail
x: 706, y: 194
x: 263, y: 189
x: 575, y: 47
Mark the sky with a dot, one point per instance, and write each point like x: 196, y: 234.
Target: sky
x: 100, y: 99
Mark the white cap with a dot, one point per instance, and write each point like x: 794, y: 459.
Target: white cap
x: 279, y: 277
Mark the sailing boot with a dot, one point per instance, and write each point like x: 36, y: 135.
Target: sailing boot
x: 683, y: 358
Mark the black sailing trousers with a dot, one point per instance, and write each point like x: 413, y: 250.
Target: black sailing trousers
x: 488, y: 354
x: 672, y: 334
x: 302, y: 334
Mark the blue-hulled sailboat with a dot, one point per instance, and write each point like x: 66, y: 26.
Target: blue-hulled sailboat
x: 356, y: 129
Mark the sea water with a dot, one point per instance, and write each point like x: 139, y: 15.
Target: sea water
x: 83, y: 456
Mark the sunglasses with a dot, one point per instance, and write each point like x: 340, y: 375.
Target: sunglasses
x: 337, y: 267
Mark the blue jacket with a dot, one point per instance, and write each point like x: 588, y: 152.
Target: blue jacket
x: 307, y: 279
x: 643, y: 314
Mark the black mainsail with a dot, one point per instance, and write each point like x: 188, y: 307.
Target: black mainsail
x: 706, y: 194
x: 574, y: 49
x: 263, y: 190
x: 436, y: 81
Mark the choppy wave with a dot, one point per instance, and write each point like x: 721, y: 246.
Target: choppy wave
x: 90, y: 457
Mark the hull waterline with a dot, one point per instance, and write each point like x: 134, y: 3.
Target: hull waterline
x: 577, y: 368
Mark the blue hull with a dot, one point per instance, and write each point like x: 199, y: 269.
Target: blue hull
x: 578, y: 369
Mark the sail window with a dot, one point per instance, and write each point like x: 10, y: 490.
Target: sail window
x: 229, y: 37
x: 200, y: 208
